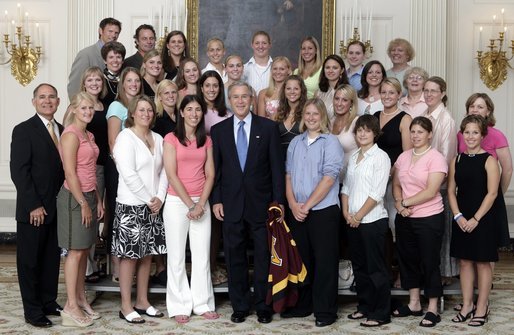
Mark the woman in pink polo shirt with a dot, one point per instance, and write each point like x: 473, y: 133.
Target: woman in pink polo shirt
x: 189, y: 166
x: 419, y: 173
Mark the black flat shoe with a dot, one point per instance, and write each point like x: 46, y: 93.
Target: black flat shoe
x: 320, y: 323
x: 40, y: 322
x: 432, y: 319
x: 404, y: 311
x: 238, y: 317
x: 264, y: 316
x: 375, y: 323
x: 92, y: 278
x: 53, y: 310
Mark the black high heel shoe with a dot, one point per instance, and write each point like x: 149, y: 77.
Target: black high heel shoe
x: 479, y: 321
x: 463, y: 318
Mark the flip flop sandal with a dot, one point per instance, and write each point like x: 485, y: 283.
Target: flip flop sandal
x: 376, y: 323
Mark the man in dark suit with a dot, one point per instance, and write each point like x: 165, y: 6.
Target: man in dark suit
x: 37, y: 173
x: 249, y: 176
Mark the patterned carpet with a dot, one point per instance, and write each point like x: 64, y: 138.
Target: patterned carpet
x: 501, y: 320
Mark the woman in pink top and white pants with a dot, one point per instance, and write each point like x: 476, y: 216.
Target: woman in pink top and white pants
x: 189, y: 165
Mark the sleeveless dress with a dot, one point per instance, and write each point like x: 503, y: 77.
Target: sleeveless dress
x: 391, y: 138
x: 471, y: 180
x: 287, y: 135
x: 391, y: 142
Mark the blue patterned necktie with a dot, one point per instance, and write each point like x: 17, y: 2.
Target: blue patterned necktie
x: 242, y: 144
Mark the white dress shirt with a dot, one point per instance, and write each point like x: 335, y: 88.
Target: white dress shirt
x: 367, y: 179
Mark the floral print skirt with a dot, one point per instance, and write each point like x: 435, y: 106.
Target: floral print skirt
x: 137, y: 232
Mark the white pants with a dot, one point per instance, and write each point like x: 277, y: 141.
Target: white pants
x: 180, y: 298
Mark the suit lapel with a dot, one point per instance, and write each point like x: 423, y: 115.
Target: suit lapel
x: 231, y: 144
x: 42, y: 131
x: 255, y: 139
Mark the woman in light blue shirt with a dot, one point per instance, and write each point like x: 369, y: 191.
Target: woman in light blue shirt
x: 314, y: 160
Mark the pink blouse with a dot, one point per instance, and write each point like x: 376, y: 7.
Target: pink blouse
x: 87, y: 153
x: 414, y: 178
x: 190, y: 164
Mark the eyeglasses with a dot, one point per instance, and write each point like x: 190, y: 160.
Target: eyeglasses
x: 415, y: 77
x: 431, y: 92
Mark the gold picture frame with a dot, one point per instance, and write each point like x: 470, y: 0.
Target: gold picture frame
x: 206, y: 19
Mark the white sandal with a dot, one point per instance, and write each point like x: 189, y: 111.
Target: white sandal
x: 150, y: 311
x: 133, y: 317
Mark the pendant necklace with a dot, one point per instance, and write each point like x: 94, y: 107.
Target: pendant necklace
x: 473, y: 154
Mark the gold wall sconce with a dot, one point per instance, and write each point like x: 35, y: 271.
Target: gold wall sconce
x: 494, y: 63
x: 354, y: 19
x: 343, y: 45
x: 24, y: 58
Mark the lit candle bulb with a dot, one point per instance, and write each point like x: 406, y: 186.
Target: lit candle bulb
x: 19, y: 14
x: 38, y: 42
x: 503, y: 16
x: 480, y: 38
x: 493, y: 27
x: 6, y: 25
x: 13, y: 31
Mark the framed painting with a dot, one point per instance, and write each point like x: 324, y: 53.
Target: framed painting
x: 235, y: 21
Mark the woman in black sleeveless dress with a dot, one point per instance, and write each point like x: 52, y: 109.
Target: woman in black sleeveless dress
x: 473, y: 185
x: 394, y: 139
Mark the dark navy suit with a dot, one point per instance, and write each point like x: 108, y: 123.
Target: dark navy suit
x: 245, y: 196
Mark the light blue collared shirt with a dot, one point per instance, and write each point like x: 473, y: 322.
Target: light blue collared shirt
x: 355, y: 79
x: 247, y: 126
x: 308, y: 164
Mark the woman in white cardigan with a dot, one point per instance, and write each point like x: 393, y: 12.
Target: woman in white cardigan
x: 138, y: 231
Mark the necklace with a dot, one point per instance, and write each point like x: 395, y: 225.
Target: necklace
x: 421, y: 153
x: 393, y: 113
x: 113, y: 86
x: 143, y: 138
x: 473, y: 154
x: 338, y: 125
